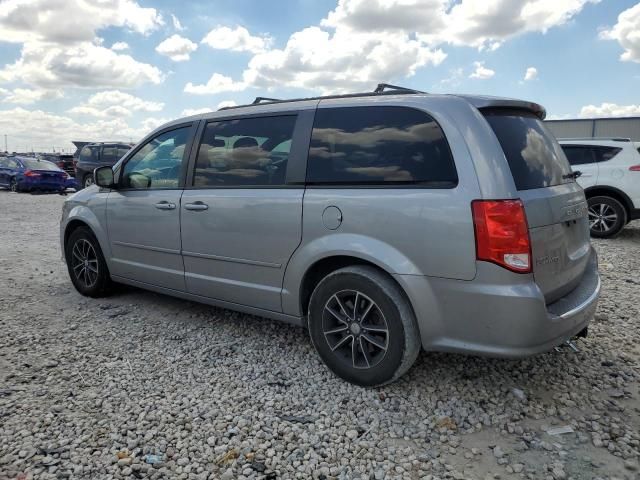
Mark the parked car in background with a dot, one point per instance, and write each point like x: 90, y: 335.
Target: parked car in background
x: 28, y: 174
x: 384, y: 221
x: 62, y: 160
x: 610, y: 176
x: 94, y: 155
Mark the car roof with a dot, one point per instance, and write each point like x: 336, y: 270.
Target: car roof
x: 603, y: 141
x: 273, y: 106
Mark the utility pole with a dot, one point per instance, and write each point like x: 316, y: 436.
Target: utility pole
x: 5, y: 143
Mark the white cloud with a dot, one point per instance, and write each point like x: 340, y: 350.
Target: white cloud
x: 26, y: 96
x: 114, y: 103
x: 237, y: 39
x: 177, y: 48
x: 176, y: 23
x: 47, y: 129
x: 226, y: 103
x: 627, y: 33
x: 72, y: 21
x: 118, y: 46
x: 481, y: 72
x: 480, y: 24
x: 216, y: 84
x: 609, y: 110
x: 531, y: 74
x: 81, y: 65
x: 187, y: 112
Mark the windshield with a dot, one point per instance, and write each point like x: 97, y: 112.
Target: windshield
x: 34, y: 164
x: 535, y: 157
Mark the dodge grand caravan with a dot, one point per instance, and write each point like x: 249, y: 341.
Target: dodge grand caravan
x: 384, y: 222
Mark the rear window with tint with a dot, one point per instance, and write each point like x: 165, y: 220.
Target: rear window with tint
x: 603, y: 154
x: 40, y: 165
x: 535, y: 157
x: 379, y: 146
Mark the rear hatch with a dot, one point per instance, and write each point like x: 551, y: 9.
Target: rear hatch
x: 555, y: 204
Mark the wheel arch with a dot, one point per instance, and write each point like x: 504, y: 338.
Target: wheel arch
x: 613, y: 192
x: 82, y: 216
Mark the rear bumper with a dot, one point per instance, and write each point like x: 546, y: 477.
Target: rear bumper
x: 499, y: 314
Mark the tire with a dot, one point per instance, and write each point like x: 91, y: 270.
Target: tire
x: 13, y: 186
x: 607, y: 216
x: 383, y: 306
x: 91, y: 278
x: 87, y: 181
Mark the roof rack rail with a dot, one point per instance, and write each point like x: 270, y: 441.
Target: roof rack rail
x: 610, y: 139
x: 265, y: 99
x: 381, y: 89
x: 383, y: 86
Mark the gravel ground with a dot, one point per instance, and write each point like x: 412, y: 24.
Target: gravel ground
x: 141, y: 385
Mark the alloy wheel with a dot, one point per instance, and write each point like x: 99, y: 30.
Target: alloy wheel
x: 602, y: 217
x: 13, y: 186
x: 84, y: 262
x: 355, y: 329
x: 88, y: 181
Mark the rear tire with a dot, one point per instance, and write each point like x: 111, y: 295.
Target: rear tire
x: 13, y: 185
x: 607, y: 216
x: 86, y: 264
x: 87, y: 181
x: 363, y: 327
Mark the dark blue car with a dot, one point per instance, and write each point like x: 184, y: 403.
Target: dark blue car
x: 25, y: 174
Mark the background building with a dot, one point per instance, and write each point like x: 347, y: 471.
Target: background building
x: 627, y: 127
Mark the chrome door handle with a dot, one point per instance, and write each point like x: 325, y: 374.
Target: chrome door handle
x: 197, y: 206
x: 164, y: 205
x: 585, y: 175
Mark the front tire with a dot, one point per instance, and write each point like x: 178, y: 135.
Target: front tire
x: 86, y: 264
x: 362, y: 326
x: 607, y: 216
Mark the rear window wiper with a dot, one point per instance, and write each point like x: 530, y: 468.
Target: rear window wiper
x: 572, y: 175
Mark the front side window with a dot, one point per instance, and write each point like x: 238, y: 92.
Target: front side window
x: 158, y: 164
x: 578, y: 155
x: 245, y: 152
x: 379, y: 145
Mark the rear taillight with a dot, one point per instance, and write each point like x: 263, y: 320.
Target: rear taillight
x: 60, y: 164
x: 635, y: 168
x: 502, y: 234
x: 31, y: 173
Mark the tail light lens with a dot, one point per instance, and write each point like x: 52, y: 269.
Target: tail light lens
x: 31, y: 173
x: 502, y: 234
x: 635, y: 168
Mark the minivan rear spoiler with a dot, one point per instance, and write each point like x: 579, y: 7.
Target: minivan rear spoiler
x: 482, y: 102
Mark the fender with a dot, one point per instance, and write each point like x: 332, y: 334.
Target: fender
x: 365, y: 248
x: 96, y: 222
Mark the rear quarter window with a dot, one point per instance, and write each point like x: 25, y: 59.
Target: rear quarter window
x: 379, y: 146
x: 534, y: 156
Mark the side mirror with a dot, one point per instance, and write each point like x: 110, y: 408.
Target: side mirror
x: 103, y: 177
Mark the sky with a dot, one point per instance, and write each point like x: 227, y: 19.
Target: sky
x: 116, y: 69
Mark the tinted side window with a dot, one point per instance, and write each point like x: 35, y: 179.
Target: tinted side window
x: 603, y: 154
x: 578, y: 155
x: 110, y: 154
x: 89, y: 154
x: 379, y: 145
x: 248, y: 151
x: 158, y: 163
x: 122, y: 151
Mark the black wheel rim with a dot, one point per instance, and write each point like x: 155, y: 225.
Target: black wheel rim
x: 355, y: 329
x: 13, y: 187
x: 84, y: 263
x: 602, y: 217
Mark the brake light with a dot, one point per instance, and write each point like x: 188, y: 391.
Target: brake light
x: 502, y: 234
x: 635, y: 168
x: 31, y: 173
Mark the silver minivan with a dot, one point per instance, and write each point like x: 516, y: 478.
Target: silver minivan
x: 383, y: 222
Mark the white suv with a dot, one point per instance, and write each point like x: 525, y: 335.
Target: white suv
x: 610, y: 170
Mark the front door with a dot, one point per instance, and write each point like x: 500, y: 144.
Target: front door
x: 143, y: 214
x: 241, y: 218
